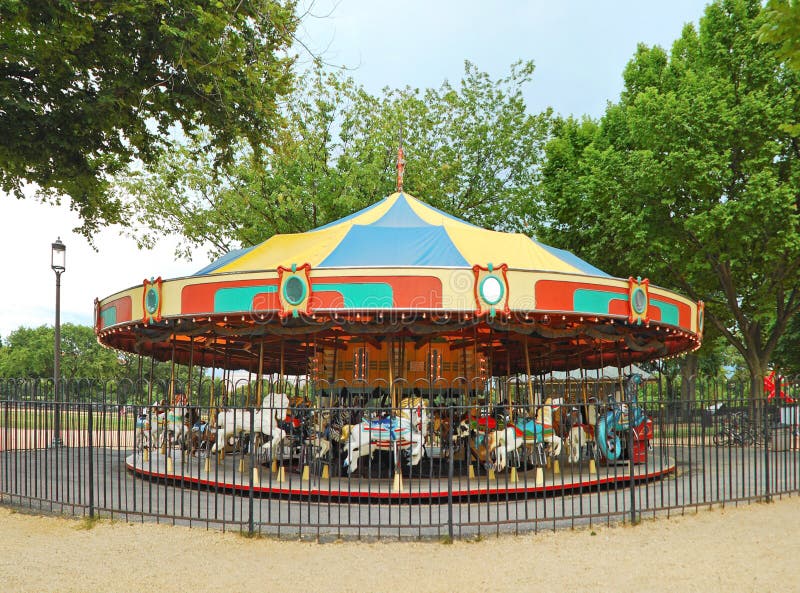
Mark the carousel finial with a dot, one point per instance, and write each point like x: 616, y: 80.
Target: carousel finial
x: 401, y: 162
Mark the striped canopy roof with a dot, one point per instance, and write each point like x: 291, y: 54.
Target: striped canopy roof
x: 433, y: 275
x: 401, y: 231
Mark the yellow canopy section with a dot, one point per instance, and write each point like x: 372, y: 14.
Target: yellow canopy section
x: 401, y: 231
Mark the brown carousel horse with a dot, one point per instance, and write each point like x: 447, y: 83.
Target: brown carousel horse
x: 201, y: 435
x: 447, y: 438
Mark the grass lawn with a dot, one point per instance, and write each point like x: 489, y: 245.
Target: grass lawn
x: 38, y: 418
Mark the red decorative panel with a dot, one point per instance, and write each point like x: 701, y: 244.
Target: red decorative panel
x: 558, y: 295
x: 124, y: 310
x: 199, y: 298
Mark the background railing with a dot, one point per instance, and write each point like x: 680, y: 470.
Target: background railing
x: 722, y: 448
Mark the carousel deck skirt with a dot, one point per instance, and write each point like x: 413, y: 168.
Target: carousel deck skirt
x: 231, y: 475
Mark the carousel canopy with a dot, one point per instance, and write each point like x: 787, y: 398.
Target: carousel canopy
x: 401, y: 231
x: 401, y: 272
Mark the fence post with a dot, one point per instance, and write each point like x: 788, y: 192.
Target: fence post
x: 631, y: 468
x: 91, y: 462
x: 630, y: 447
x: 250, y: 522
x: 7, y: 447
x: 450, y: 476
x: 766, y: 433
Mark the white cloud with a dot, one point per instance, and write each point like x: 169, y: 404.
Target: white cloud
x: 27, y: 230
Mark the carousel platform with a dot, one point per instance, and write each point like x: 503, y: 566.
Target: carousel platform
x: 428, y: 483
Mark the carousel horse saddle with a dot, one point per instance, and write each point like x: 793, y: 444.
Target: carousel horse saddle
x: 381, y: 424
x: 200, y: 427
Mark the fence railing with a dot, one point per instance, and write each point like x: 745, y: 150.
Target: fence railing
x: 426, y: 468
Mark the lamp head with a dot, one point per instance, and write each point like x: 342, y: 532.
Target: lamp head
x: 58, y: 256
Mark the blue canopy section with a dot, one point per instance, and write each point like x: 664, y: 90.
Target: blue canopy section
x: 227, y: 258
x: 573, y: 260
x: 400, y: 215
x: 398, y: 238
x: 374, y: 245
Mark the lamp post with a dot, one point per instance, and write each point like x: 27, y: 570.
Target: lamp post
x: 58, y: 260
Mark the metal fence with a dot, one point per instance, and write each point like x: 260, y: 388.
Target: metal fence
x: 466, y: 466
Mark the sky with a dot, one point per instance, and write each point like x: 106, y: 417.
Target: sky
x: 580, y: 49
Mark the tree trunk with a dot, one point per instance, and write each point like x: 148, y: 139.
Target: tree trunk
x: 689, y: 367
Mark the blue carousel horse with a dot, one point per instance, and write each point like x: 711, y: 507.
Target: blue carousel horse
x: 620, y: 417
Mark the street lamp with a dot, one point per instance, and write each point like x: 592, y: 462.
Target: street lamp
x: 58, y: 261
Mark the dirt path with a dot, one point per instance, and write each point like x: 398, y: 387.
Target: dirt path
x: 750, y: 548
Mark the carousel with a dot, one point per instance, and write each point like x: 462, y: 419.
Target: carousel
x: 402, y: 330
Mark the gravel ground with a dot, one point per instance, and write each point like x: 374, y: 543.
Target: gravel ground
x: 747, y: 548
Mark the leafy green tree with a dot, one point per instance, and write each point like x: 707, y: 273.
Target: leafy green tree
x: 471, y: 150
x: 88, y: 88
x: 782, y: 27
x: 692, y: 179
x: 787, y: 354
x: 92, y: 371
x: 29, y: 354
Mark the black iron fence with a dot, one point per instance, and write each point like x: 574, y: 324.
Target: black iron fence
x: 354, y: 463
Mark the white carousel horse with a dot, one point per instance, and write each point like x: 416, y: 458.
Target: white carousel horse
x: 321, y: 436
x: 407, y: 430
x: 265, y: 421
x: 502, y: 444
x: 153, y: 421
x: 149, y: 426
x: 582, y: 431
x: 175, y: 423
x: 321, y: 446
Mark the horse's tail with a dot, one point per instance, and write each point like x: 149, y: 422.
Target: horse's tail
x: 610, y: 450
x: 637, y: 416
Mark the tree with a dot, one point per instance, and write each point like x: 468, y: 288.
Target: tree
x: 471, y: 150
x: 782, y: 27
x: 692, y: 179
x: 116, y: 376
x: 89, y: 88
x: 787, y: 354
x: 29, y: 354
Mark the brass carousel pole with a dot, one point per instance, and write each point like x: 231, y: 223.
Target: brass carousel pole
x: 333, y: 396
x: 475, y: 368
x: 260, y: 390
x: 191, y: 369
x: 282, y: 380
x: 507, y: 385
x: 226, y: 378
x: 391, y: 374
x: 171, y: 402
x: 528, y: 370
x: 212, y: 397
x: 139, y: 371
x: 464, y: 361
x: 397, y: 481
x: 150, y: 382
x: 172, y: 373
